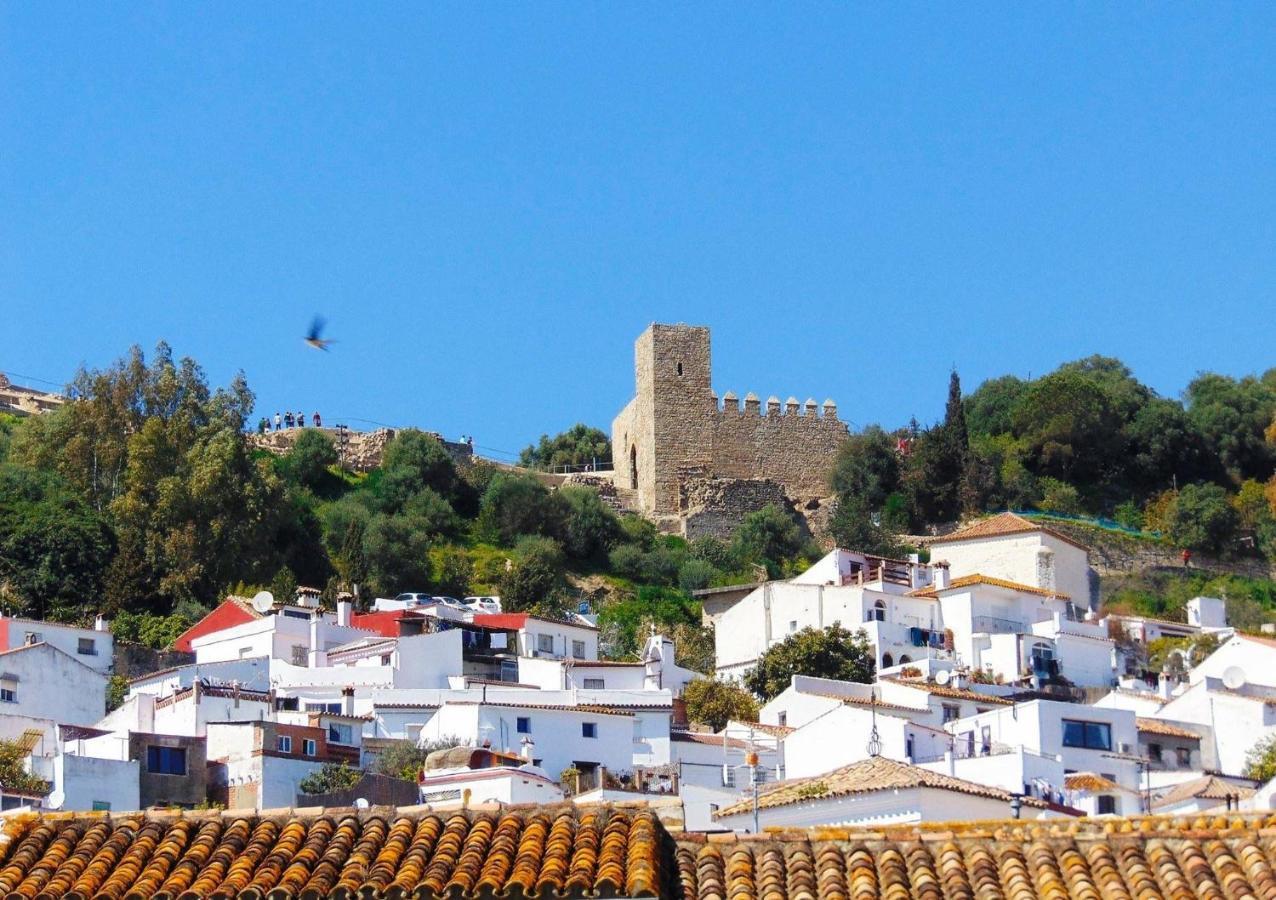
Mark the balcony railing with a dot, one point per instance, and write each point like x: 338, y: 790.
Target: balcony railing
x: 994, y: 625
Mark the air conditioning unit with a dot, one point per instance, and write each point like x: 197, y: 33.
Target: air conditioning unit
x: 1126, y: 749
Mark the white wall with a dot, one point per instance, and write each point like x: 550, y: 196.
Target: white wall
x: 1236, y: 721
x: 83, y: 780
x: 252, y: 674
x: 63, y: 637
x: 280, y: 779
x: 1254, y: 657
x: 1032, y: 558
x: 840, y: 737
x: 52, y: 685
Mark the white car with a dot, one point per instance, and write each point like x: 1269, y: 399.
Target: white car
x: 448, y: 601
x: 484, y: 604
x: 414, y: 599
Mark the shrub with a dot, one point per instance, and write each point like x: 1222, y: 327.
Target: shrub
x: 713, y: 702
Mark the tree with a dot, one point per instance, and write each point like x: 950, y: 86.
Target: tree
x: 1203, y: 519
x: 306, y: 462
x: 768, y: 535
x: 455, y: 572
x: 854, y: 527
x: 867, y: 467
x: 13, y: 773
x: 330, y: 777
x: 832, y: 652
x: 397, y: 554
x: 590, y: 527
x: 937, y: 462
x: 1260, y: 762
x: 1233, y: 416
x: 577, y: 447
x: 714, y: 703
x: 401, y: 759
x: 515, y: 505
x: 1072, y: 428
x: 990, y: 410
x: 534, y: 576
x: 412, y: 462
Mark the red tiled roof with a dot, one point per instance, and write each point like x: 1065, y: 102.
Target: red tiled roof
x: 1002, y: 524
x: 1157, y: 726
x: 1209, y: 787
x: 712, y: 740
x: 230, y: 612
x: 384, y: 622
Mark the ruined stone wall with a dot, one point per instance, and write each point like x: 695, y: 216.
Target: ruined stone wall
x: 364, y: 449
x: 675, y: 425
x: 714, y: 507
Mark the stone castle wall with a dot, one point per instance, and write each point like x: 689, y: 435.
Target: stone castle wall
x: 714, y: 507
x: 675, y: 425
x: 364, y: 449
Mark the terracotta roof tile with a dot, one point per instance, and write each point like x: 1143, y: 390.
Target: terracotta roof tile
x: 1093, y: 783
x: 945, y: 690
x: 773, y: 730
x: 712, y: 740
x: 603, y: 851
x: 969, y: 580
x: 874, y: 774
x: 1157, y: 726
x: 1003, y: 524
x: 561, y: 851
x: 1209, y: 787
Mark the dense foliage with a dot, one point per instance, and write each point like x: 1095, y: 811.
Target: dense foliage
x: 330, y: 777
x: 832, y: 652
x: 13, y: 773
x: 579, y: 447
x: 1086, y: 439
x: 713, y: 703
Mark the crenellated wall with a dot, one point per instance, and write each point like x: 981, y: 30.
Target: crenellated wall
x: 675, y: 425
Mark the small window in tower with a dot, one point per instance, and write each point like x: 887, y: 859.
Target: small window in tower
x: 679, y: 369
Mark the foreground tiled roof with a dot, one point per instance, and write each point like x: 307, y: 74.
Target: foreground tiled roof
x: 1086, y: 859
x: 1208, y: 787
x: 537, y: 851
x: 874, y: 774
x: 970, y: 580
x: 1093, y: 783
x: 552, y: 852
x: 1003, y: 524
x: 1157, y: 726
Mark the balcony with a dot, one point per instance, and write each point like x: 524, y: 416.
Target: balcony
x: 994, y: 625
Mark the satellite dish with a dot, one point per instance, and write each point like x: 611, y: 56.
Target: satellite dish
x: 360, y: 803
x: 1233, y: 678
x: 943, y: 676
x: 264, y: 601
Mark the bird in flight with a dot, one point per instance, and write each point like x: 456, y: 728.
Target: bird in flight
x: 313, y: 337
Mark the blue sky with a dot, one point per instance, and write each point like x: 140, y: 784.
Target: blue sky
x: 490, y: 201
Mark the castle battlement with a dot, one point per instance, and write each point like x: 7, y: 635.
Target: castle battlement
x: 676, y: 424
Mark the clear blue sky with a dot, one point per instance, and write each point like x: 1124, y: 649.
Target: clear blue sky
x: 490, y: 201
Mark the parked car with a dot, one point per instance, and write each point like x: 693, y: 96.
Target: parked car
x: 484, y: 604
x: 413, y: 598
x: 448, y: 601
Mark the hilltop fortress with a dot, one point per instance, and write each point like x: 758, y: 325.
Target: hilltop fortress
x: 697, y: 466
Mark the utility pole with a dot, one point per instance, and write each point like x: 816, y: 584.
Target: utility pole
x: 343, y: 439
x: 751, y: 760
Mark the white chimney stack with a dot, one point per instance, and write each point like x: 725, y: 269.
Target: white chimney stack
x: 1164, y: 686
x: 99, y: 623
x: 528, y: 744
x: 344, y: 610
x: 941, y: 576
x: 318, y: 658
x: 347, y: 700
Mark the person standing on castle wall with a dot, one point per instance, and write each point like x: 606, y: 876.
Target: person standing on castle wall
x: 278, y: 422
x: 287, y: 420
x: 301, y: 420
x: 318, y: 422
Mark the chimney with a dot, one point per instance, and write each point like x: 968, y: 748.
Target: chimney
x: 941, y: 576
x: 679, y: 714
x: 950, y: 762
x: 528, y: 744
x: 344, y: 609
x: 347, y: 700
x: 99, y: 623
x: 958, y: 679
x: 318, y: 658
x: 1164, y: 686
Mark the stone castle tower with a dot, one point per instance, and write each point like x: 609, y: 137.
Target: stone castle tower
x: 673, y: 435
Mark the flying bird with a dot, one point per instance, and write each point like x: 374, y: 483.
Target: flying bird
x: 313, y: 337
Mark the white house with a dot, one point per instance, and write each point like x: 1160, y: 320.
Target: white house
x: 1236, y: 718
x: 587, y: 739
x: 95, y: 647
x: 548, y: 638
x: 1013, y: 548
x: 876, y: 792
x: 293, y: 634
x: 1241, y: 659
x: 1209, y: 792
x: 458, y: 775
x: 262, y: 764
x: 40, y: 681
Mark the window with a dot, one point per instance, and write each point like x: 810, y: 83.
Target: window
x: 286, y: 703
x: 1184, y: 756
x: 308, y: 747
x: 339, y: 734
x: 300, y: 654
x: 545, y: 643
x: 334, y: 708
x: 878, y: 612
x: 637, y: 729
x: 951, y: 712
x: 589, y: 729
x: 792, y: 626
x: 905, y: 659
x: 887, y: 660
x: 1089, y: 735
x: 101, y: 806
x: 385, y: 659
x: 1107, y: 805
x: 509, y: 670
x: 680, y: 369
x: 578, y: 649
x: 283, y: 744
x: 523, y: 725
x: 1154, y: 752
x: 782, y: 719
x: 166, y: 760
x: 594, y: 684
x: 86, y: 647
x: 8, y: 690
